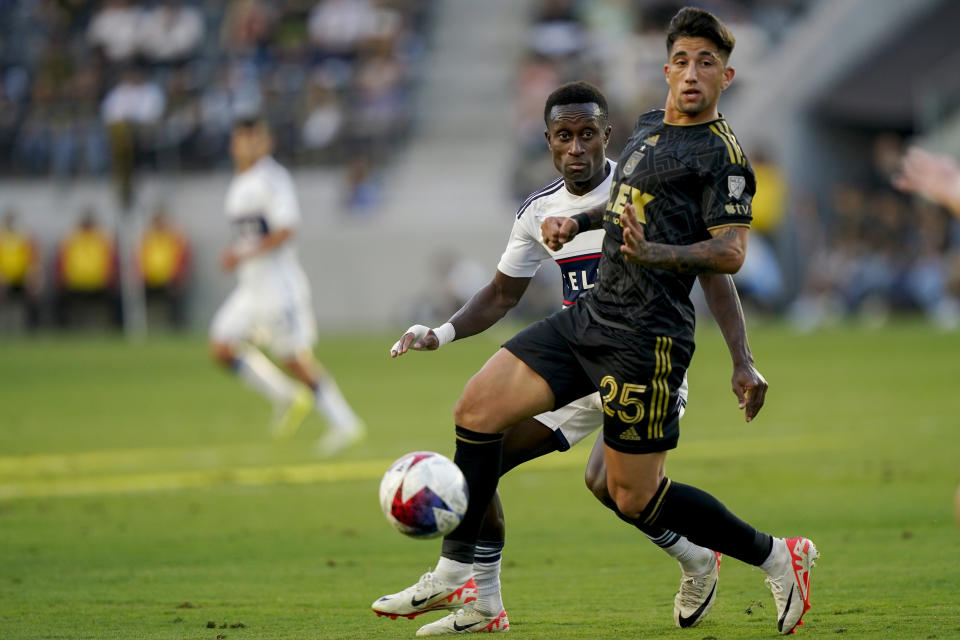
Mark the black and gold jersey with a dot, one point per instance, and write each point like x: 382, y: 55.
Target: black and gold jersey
x: 683, y: 181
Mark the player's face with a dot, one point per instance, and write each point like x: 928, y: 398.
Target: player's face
x: 696, y: 74
x: 577, y: 137
x: 247, y: 145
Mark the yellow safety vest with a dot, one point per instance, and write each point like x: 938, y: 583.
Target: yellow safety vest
x: 87, y: 261
x: 16, y: 255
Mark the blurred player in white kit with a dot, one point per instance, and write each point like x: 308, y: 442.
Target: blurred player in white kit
x: 271, y: 303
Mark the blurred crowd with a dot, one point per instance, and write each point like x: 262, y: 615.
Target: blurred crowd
x: 869, y: 250
x: 76, y: 282
x: 619, y: 46
x: 863, y: 251
x: 88, y: 84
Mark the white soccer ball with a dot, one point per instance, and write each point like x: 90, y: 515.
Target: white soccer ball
x: 423, y: 495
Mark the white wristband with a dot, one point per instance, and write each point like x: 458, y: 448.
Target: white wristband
x: 445, y: 333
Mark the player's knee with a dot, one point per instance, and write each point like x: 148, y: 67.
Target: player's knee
x: 471, y: 412
x: 222, y: 353
x: 595, y: 478
x: 631, y: 500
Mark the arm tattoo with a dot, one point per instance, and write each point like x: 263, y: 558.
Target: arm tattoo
x: 715, y: 255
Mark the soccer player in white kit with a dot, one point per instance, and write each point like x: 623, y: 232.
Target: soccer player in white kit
x: 271, y: 302
x: 577, y: 134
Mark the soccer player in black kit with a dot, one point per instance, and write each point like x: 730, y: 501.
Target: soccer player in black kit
x: 679, y: 206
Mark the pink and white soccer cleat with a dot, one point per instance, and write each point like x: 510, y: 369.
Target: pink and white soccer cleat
x: 790, y: 581
x: 430, y: 593
x: 466, y: 621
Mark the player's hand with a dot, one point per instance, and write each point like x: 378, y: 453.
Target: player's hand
x: 418, y: 338
x: 634, y: 247
x: 934, y: 176
x: 229, y: 260
x: 557, y: 231
x: 750, y: 388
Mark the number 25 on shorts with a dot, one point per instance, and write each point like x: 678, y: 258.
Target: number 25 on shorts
x: 628, y: 408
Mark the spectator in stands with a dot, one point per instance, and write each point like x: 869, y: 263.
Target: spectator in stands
x: 21, y: 276
x: 325, y: 116
x: 179, y: 129
x: 245, y: 30
x: 85, y: 269
x: 165, y: 265
x: 134, y: 100
x: 557, y: 31
x: 337, y: 28
x: 170, y: 32
x: 114, y: 30
x: 132, y: 111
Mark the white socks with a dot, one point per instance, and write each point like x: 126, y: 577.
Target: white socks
x: 264, y: 377
x: 333, y: 406
x: 778, y: 555
x: 487, y: 575
x: 453, y: 572
x: 485, y: 571
x: 693, y: 558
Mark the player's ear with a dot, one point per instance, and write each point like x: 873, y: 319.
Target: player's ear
x: 606, y: 133
x: 728, y: 73
x: 546, y: 135
x: 666, y: 73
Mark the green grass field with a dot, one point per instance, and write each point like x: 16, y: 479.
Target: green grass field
x: 140, y: 495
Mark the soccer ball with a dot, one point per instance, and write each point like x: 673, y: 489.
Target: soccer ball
x: 423, y: 495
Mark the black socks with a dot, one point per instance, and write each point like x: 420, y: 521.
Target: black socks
x: 478, y: 456
x: 704, y: 520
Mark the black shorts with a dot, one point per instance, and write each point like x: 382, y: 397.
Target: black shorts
x: 638, y: 375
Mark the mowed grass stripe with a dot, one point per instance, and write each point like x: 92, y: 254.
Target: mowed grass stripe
x: 71, y: 482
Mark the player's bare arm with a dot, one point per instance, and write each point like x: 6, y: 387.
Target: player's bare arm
x: 483, y: 310
x: 232, y: 256
x: 748, y: 385
x: 559, y: 230
x: 723, y: 253
x: 933, y: 176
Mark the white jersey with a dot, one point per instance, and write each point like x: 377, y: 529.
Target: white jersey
x: 261, y: 200
x: 578, y: 260
x: 271, y: 303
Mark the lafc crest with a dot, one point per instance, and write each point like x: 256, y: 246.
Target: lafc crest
x: 631, y: 164
x: 736, y: 185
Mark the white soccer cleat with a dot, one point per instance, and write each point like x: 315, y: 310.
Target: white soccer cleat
x: 466, y: 621
x: 698, y: 592
x: 334, y: 441
x: 790, y: 582
x: 429, y: 594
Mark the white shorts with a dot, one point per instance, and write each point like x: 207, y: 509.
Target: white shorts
x: 577, y: 420
x: 285, y: 325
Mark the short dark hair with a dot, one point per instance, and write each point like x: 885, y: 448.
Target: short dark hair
x: 575, y: 93
x: 253, y: 120
x: 692, y: 22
